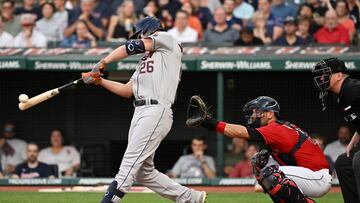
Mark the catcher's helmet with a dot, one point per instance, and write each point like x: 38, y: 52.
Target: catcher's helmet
x: 146, y: 27
x: 262, y: 103
x: 322, y: 72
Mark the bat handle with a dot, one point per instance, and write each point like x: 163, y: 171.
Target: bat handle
x: 78, y: 81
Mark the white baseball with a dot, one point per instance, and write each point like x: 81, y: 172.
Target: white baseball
x: 23, y: 98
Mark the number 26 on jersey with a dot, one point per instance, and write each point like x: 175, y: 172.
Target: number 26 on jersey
x: 147, y: 66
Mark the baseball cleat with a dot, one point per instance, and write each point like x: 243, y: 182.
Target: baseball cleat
x: 202, y: 197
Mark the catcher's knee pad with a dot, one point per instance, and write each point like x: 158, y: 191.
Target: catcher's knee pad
x: 259, y: 161
x: 111, y: 193
x: 277, y: 185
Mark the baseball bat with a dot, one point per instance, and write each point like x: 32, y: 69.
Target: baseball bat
x: 47, y: 95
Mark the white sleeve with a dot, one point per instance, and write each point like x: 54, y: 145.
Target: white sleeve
x: 23, y: 151
x: 40, y: 41
x: 42, y: 156
x: 211, y: 164
x: 17, y: 41
x: 75, y: 156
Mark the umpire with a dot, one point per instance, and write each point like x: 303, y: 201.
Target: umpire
x: 331, y: 75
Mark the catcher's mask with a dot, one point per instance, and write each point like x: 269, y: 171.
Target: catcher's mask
x: 322, y: 72
x: 145, y: 27
x: 254, y: 110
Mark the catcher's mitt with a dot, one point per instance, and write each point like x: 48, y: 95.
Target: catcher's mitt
x: 197, y: 112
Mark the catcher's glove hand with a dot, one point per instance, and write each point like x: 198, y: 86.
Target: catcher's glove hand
x: 197, y: 112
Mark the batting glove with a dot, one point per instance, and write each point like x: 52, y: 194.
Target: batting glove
x: 99, y: 67
x: 91, y: 77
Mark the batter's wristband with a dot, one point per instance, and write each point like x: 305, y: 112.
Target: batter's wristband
x: 220, y: 127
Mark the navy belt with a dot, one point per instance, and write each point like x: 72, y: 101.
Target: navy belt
x: 142, y: 102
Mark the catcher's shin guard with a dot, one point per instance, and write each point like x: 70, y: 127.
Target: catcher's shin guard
x: 280, y: 188
x: 112, y: 194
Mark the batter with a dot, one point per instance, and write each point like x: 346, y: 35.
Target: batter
x: 154, y: 86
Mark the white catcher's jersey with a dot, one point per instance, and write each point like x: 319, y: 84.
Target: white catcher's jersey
x: 158, y: 72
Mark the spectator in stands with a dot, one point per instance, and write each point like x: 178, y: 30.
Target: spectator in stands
x: 211, y: 4
x: 353, y: 6
x: 203, y: 13
x: 232, y: 21
x: 62, y: 15
x: 1, y: 173
x: 289, y: 38
x: 195, y: 165
x: 85, y: 14
x: 243, y: 11
x: 307, y: 11
x: 183, y: 32
x: 337, y: 147
x: 274, y: 25
x: 342, y: 12
x: 139, y: 6
x: 304, y: 30
x: 101, y: 12
x: 151, y: 9
x: 244, y: 169
x: 236, y: 155
x: 32, y: 168
x: 282, y: 9
x: 169, y: 9
x: 261, y: 30
x: 121, y: 25
x: 6, y: 39
x: 247, y: 38
x: 319, y: 11
x: 221, y: 32
x: 29, y: 6
x: 193, y: 21
x: 81, y: 39
x: 332, y: 32
x: 48, y: 25
x: 66, y: 157
x: 72, y: 4
x: 29, y: 37
x: 12, y: 150
x: 11, y: 21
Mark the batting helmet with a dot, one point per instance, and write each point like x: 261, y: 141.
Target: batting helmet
x: 262, y: 103
x: 322, y: 72
x: 146, y: 27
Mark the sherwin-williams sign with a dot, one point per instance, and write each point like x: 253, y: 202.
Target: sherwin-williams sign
x: 195, y: 59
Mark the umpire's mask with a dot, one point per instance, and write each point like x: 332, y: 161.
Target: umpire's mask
x: 322, y: 73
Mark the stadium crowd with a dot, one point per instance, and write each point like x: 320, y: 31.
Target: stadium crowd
x: 21, y: 159
x: 82, y: 24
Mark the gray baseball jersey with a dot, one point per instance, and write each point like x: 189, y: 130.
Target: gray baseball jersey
x: 158, y: 73
x: 156, y: 77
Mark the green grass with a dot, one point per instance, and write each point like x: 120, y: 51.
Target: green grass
x: 82, y: 197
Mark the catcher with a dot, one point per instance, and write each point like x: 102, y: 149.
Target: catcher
x: 290, y: 167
